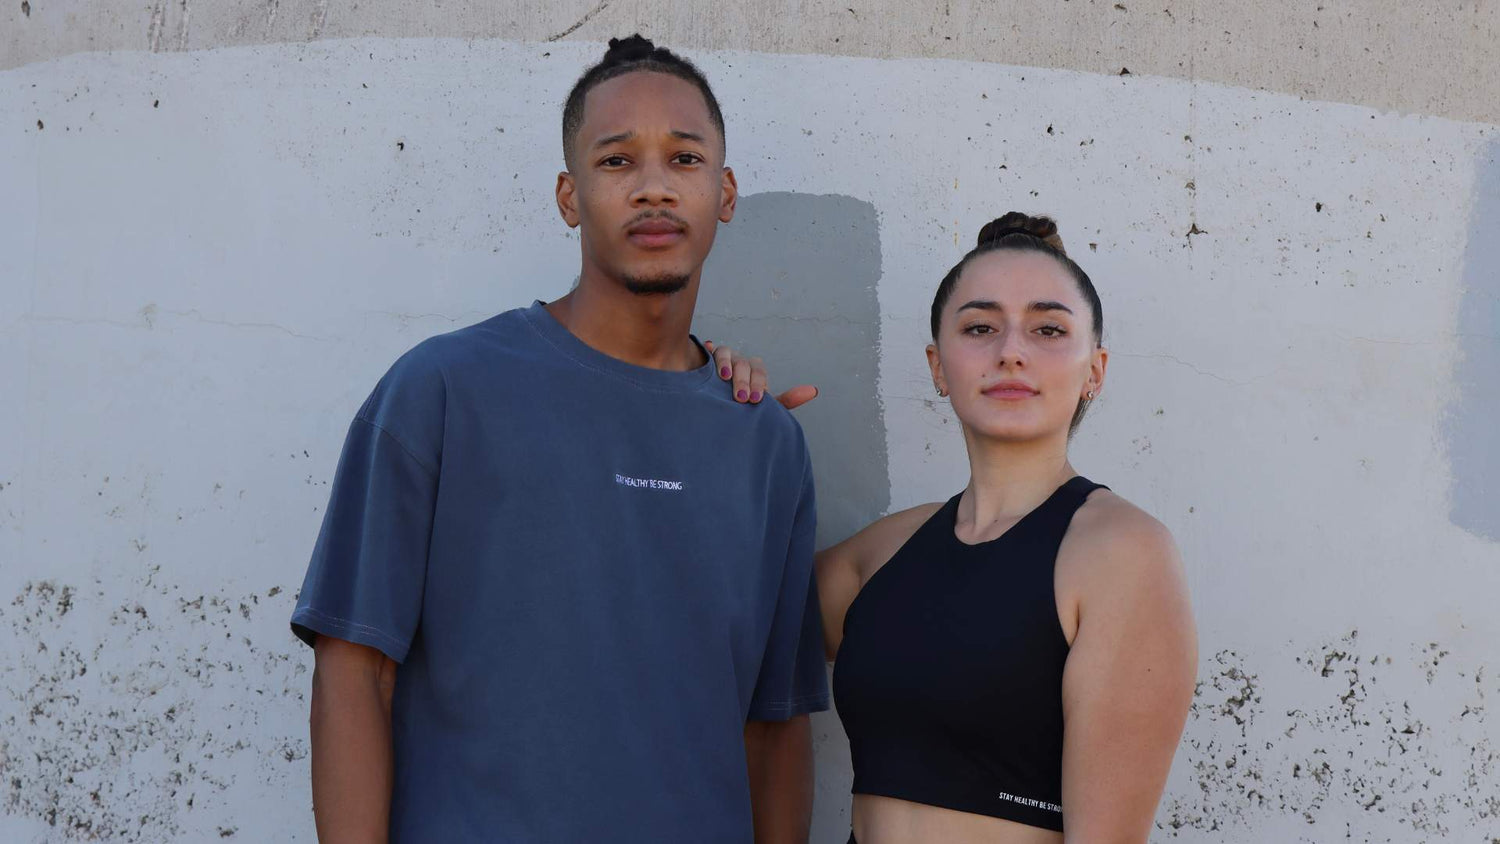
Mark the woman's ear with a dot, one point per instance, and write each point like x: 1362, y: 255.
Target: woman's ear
x: 936, y: 365
x: 1097, y: 367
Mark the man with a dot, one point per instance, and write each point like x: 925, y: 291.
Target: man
x: 562, y: 591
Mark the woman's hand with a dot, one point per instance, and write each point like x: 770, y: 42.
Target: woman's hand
x: 749, y: 378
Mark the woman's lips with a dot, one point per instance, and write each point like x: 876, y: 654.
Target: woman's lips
x: 1010, y: 391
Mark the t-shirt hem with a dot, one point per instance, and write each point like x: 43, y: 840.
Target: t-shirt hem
x: 1014, y: 812
x: 783, y: 710
x: 308, y: 624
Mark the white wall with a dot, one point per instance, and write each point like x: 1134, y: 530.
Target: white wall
x: 207, y: 258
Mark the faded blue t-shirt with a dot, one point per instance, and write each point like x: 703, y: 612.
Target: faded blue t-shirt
x: 592, y: 574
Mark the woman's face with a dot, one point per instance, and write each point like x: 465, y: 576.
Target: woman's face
x: 1015, y: 350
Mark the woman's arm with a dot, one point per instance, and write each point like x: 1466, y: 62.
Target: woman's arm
x: 844, y: 568
x: 838, y: 583
x: 1129, y: 676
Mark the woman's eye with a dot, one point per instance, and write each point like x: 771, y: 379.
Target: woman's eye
x: 979, y: 329
x: 1051, y: 331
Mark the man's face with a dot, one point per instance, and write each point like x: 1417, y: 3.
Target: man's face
x: 646, y: 183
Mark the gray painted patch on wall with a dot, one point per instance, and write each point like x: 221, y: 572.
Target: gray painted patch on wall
x: 1473, y: 447
x: 793, y: 279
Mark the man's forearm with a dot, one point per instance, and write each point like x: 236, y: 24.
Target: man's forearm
x: 351, y: 755
x: 780, y: 758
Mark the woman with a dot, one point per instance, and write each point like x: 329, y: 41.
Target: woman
x: 1014, y: 665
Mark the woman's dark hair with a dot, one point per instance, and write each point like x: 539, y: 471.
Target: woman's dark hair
x: 627, y: 55
x: 1017, y: 232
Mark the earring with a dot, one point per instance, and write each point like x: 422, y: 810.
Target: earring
x: 940, y: 391
x: 1090, y: 395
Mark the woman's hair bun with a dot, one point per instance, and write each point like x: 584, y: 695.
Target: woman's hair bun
x: 1014, y: 222
x: 630, y: 49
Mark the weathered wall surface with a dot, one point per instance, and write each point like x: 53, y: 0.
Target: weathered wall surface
x: 208, y: 256
x: 1430, y: 57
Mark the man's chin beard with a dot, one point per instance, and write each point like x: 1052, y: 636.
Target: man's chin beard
x: 659, y: 285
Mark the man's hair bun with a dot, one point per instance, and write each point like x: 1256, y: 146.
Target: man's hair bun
x: 1016, y: 223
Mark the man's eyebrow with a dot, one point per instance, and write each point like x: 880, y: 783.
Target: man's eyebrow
x: 621, y: 137
x: 1035, y: 307
x: 616, y: 138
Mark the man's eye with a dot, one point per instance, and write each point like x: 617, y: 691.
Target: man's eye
x: 614, y: 161
x: 688, y: 158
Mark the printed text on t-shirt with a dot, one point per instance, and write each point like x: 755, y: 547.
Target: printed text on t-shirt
x: 648, y: 483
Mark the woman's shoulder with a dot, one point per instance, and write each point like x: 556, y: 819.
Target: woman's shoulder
x: 1122, y: 563
x: 869, y: 549
x: 1111, y: 537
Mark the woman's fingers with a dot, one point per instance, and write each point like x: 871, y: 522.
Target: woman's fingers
x: 741, y: 380
x: 750, y: 379
x: 798, y: 396
x: 723, y: 359
x: 757, y: 379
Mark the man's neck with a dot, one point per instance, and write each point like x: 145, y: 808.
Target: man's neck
x: 649, y: 331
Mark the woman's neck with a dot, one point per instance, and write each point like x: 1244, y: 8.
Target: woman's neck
x: 1007, y: 480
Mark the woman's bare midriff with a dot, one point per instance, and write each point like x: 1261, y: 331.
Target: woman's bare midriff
x: 887, y: 820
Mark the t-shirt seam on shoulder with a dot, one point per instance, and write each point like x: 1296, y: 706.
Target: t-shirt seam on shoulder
x: 397, y: 440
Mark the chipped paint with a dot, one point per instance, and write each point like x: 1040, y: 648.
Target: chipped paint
x: 1366, y: 745
x: 144, y: 719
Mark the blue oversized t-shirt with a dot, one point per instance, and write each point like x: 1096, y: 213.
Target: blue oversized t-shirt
x: 592, y: 574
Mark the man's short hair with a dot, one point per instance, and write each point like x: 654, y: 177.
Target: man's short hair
x: 628, y: 55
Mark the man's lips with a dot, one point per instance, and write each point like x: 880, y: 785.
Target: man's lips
x: 655, y: 232
x: 1010, y: 391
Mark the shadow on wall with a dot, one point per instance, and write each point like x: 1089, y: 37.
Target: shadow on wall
x: 793, y: 280
x: 1473, y: 449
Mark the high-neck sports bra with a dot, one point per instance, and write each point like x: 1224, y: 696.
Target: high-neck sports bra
x: 949, y: 676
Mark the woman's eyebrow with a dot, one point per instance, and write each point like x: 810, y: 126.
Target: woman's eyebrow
x: 1047, y: 305
x: 1035, y: 307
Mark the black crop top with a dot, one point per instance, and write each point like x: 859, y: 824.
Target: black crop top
x: 949, y: 677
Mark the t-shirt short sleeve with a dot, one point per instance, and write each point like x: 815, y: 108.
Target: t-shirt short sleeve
x: 365, y: 581
x: 793, y: 679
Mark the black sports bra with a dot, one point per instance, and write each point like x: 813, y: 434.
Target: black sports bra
x: 949, y: 677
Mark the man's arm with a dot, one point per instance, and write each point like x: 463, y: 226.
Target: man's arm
x: 351, y: 742
x: 780, y: 759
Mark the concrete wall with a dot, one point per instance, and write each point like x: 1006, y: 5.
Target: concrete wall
x: 214, y: 239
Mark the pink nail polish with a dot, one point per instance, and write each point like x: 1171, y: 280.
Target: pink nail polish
x: 740, y: 395
x: 724, y: 372
x: 755, y: 396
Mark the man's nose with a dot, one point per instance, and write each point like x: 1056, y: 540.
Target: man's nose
x: 655, y: 187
